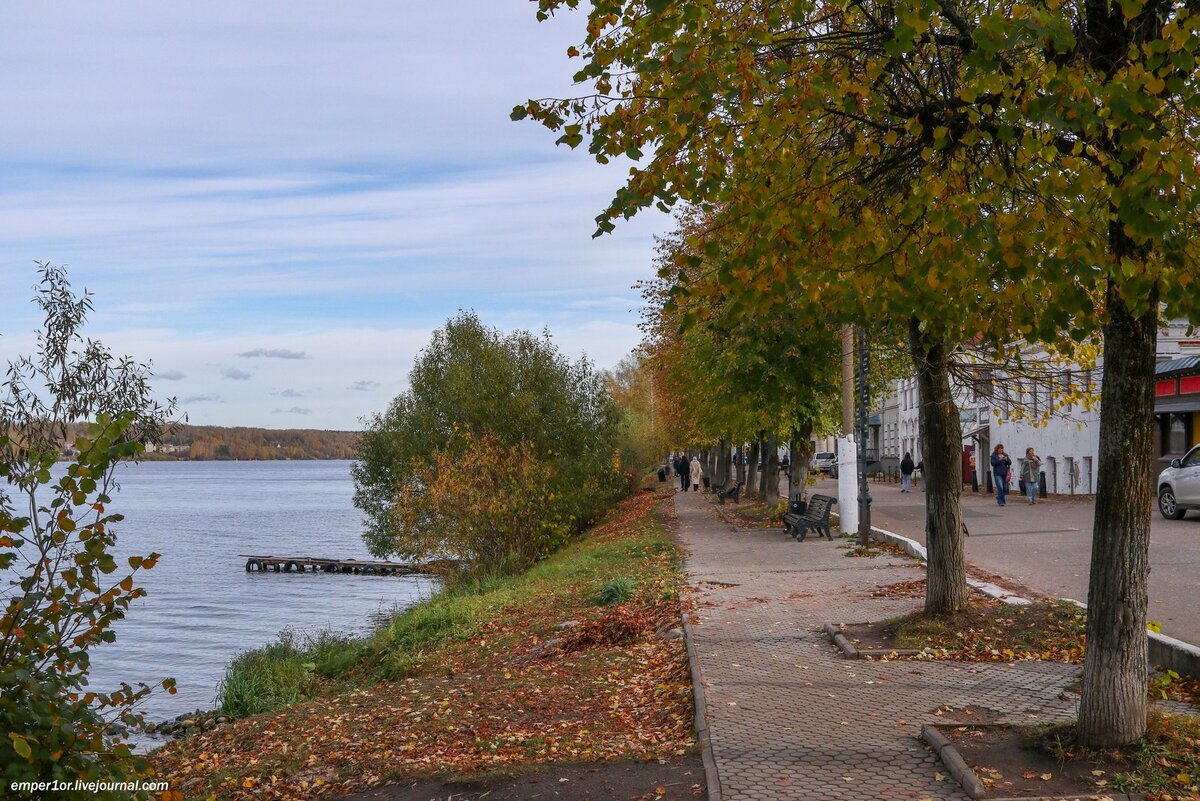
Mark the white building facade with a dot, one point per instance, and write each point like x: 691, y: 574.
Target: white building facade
x: 1068, y: 442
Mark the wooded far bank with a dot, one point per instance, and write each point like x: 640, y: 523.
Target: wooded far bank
x: 216, y: 443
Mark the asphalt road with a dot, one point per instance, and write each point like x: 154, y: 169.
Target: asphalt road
x: 1047, y: 546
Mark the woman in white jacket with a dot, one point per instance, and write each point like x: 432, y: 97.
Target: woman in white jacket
x: 695, y: 474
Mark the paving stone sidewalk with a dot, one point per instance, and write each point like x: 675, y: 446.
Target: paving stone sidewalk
x: 788, y: 716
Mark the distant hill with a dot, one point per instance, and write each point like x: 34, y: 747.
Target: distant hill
x: 202, y: 443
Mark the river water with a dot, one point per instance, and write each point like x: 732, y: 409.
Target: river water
x: 202, y: 607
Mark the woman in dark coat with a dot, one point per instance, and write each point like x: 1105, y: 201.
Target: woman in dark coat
x: 1001, y: 465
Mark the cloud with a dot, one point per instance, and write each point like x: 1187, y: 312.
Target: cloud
x: 273, y: 353
x: 202, y: 399
x: 216, y: 201
x: 170, y: 375
x: 606, y: 303
x: 293, y: 410
x: 234, y: 374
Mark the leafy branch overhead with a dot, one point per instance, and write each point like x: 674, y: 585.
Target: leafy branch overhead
x: 57, y: 533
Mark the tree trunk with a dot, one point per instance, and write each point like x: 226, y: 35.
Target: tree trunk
x: 1112, y: 708
x: 802, y: 452
x: 739, y: 461
x: 752, y: 467
x: 722, y: 471
x: 941, y: 434
x: 761, y: 444
x: 770, y: 471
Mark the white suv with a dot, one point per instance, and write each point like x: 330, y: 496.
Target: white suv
x: 1179, y: 486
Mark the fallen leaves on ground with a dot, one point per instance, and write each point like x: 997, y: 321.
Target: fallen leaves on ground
x: 877, y: 548
x: 1173, y: 687
x: 988, y: 630
x: 751, y: 514
x: 618, y: 691
x: 902, y: 589
x: 623, y: 624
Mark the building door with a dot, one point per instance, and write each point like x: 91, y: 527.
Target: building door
x: 1051, y: 475
x: 1069, y: 464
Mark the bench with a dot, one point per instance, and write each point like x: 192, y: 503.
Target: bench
x: 730, y: 493
x: 815, y: 516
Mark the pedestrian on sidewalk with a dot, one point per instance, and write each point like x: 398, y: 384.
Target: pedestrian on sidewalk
x: 1001, y: 464
x: 695, y: 472
x: 685, y: 469
x: 1031, y: 473
x: 907, y: 466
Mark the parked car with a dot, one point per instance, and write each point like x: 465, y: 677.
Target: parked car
x: 824, y: 462
x: 1179, y: 486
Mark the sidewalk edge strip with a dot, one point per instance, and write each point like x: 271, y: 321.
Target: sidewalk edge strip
x: 712, y: 778
x: 953, y: 761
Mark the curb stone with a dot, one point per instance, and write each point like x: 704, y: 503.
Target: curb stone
x: 953, y: 762
x: 839, y: 639
x: 711, y: 777
x: 850, y: 652
x: 1169, y: 652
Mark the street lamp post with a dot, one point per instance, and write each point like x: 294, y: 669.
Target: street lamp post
x: 864, y: 400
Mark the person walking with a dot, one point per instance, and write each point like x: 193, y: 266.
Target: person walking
x: 1001, y: 464
x: 1031, y: 474
x: 907, y: 466
x: 695, y: 472
x: 685, y: 469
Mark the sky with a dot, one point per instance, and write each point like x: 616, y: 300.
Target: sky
x: 276, y: 203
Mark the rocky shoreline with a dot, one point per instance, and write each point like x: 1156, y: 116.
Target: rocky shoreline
x: 188, y: 723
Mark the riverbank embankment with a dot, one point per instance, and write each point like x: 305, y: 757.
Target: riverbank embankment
x: 577, y: 660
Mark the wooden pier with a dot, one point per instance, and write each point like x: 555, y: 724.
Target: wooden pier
x: 303, y: 564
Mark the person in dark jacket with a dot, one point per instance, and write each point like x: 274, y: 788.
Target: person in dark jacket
x: 907, y: 466
x: 685, y: 472
x: 1001, y: 467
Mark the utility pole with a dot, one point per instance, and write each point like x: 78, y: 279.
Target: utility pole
x: 847, y: 380
x: 848, y: 459
x: 864, y: 402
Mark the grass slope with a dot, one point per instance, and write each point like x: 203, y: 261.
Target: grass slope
x: 474, y: 681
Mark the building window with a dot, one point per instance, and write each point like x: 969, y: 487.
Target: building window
x: 1177, y: 434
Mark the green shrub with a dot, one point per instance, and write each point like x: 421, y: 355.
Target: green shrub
x: 499, y: 450
x: 266, y: 678
x: 286, y: 671
x: 617, y: 591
